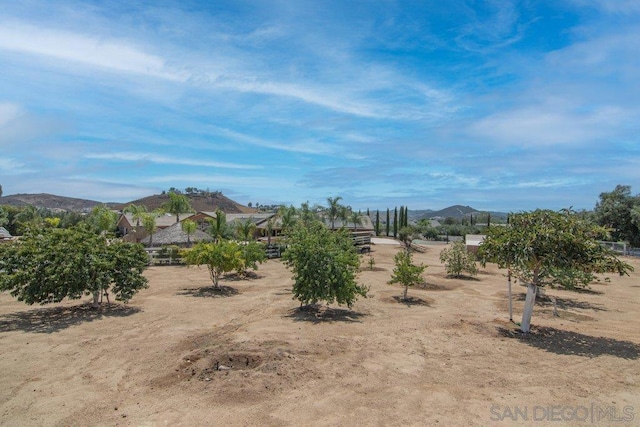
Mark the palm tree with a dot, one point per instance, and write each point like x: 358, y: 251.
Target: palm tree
x: 334, y: 210
x: 218, y: 225
x: 177, y: 204
x: 246, y: 228
x: 189, y: 227
x: 287, y: 218
x: 356, y: 219
x: 136, y: 211
x: 149, y: 225
x: 269, y: 229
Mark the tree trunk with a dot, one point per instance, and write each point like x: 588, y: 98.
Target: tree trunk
x: 510, y: 298
x: 404, y: 297
x: 528, y: 307
x: 96, y: 300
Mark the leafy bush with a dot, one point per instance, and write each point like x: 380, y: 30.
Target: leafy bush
x: 458, y: 260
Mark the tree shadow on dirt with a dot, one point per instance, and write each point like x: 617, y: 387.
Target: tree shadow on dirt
x: 237, y: 277
x: 322, y: 314
x: 438, y: 287
x: 210, y: 292
x: 54, y: 319
x: 563, y: 303
x: 573, y: 343
x: 466, y: 278
x: 411, y: 301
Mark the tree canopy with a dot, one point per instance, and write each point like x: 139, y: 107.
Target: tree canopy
x: 619, y: 211
x: 544, y: 247
x: 50, y: 264
x: 177, y: 204
x: 458, y: 260
x: 406, y: 272
x: 324, y: 265
x: 220, y: 257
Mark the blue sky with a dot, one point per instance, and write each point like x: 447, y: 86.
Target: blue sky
x: 494, y: 104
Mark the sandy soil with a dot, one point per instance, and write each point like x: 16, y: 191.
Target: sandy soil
x: 182, y: 354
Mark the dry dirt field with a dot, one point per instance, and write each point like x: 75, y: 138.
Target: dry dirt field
x: 181, y: 354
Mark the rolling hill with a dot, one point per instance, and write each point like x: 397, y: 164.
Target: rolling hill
x: 202, y: 201
x: 51, y: 201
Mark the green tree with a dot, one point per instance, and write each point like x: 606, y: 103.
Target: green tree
x: 253, y: 253
x: 245, y: 229
x: 395, y: 223
x: 189, y: 227
x: 377, y: 222
x: 27, y: 217
x: 149, y: 225
x: 544, y: 247
x: 218, y: 228
x: 324, y: 265
x: 334, y: 210
x: 221, y: 257
x: 406, y: 235
x: 406, y: 272
x: 307, y: 214
x: 619, y: 211
x: 287, y: 215
x: 268, y: 229
x: 50, y: 264
x: 136, y: 211
x: 388, y: 223
x: 4, y: 217
x: 356, y: 219
x: 103, y: 220
x: 177, y: 204
x: 458, y: 260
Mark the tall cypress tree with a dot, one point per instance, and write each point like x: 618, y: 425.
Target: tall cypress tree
x: 401, y: 216
x: 377, y: 222
x: 395, y: 223
x: 388, y: 222
x: 406, y: 216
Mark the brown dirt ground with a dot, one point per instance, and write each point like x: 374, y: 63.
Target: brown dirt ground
x: 181, y: 354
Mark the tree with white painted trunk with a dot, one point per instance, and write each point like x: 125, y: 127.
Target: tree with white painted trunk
x: 547, y: 248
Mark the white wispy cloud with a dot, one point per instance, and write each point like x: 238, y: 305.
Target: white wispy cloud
x: 544, y: 126
x: 105, y: 53
x: 166, y: 160
x: 257, y: 182
x: 307, y: 147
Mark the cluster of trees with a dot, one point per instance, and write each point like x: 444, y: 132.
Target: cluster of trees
x: 49, y: 264
x: 16, y: 220
x: 540, y: 248
x: 192, y: 191
x: 619, y: 212
x: 391, y: 228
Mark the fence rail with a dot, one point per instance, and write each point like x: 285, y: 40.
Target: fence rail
x: 621, y: 248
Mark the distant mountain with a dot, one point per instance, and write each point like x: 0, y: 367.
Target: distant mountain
x: 202, y: 201
x: 205, y: 201
x: 455, y: 211
x: 50, y: 201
